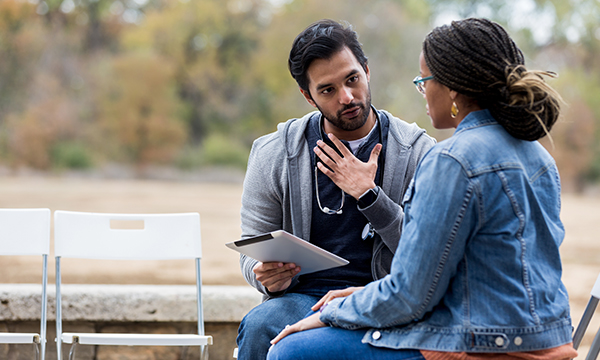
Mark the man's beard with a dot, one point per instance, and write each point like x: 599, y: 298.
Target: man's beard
x: 355, y: 123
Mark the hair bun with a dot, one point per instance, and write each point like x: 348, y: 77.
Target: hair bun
x: 528, y: 107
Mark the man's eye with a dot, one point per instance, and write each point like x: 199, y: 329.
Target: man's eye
x: 327, y: 91
x: 353, y: 79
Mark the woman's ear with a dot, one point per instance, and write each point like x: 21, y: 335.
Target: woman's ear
x: 453, y: 95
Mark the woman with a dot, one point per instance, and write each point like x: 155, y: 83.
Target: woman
x: 477, y: 272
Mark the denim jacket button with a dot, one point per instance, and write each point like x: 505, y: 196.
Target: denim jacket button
x: 376, y: 335
x: 518, y: 341
x: 499, y: 341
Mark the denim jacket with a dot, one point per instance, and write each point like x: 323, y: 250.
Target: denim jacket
x: 477, y: 267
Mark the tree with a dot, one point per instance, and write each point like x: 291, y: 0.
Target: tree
x: 138, y: 109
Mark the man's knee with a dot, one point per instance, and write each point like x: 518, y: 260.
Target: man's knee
x: 255, y: 319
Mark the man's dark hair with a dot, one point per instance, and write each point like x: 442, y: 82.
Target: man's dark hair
x: 321, y: 40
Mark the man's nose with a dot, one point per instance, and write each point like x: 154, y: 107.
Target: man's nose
x: 346, y: 96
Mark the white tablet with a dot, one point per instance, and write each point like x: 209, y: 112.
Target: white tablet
x: 282, y: 246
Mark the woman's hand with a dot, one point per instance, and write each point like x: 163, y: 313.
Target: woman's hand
x: 335, y: 294
x: 311, y: 322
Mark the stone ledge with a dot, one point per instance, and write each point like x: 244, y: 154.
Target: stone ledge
x: 129, y: 303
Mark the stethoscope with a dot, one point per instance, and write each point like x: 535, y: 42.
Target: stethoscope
x: 368, y: 230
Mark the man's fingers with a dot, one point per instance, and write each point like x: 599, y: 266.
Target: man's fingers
x: 326, y: 153
x: 323, y: 156
x: 278, y: 286
x: 272, y: 266
x: 273, y: 279
x: 338, y: 144
x: 275, y: 276
x: 325, y: 170
x: 375, y: 153
x: 278, y: 281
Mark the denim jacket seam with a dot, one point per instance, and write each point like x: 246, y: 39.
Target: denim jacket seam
x: 494, y: 168
x: 557, y: 179
x: 541, y: 171
x: 519, y: 236
x: 467, y: 303
x: 476, y: 124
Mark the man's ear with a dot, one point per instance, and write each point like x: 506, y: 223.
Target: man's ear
x: 308, y: 98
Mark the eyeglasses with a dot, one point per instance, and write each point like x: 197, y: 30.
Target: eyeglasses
x: 418, y: 81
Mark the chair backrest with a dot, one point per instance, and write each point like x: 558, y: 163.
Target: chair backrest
x: 95, y: 236
x: 103, y: 236
x: 24, y: 231
x: 27, y: 232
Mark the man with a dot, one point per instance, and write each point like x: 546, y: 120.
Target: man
x: 346, y: 202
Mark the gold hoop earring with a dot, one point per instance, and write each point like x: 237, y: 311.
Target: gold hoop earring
x: 454, y: 110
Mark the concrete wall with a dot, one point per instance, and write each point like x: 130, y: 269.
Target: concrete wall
x: 126, y: 308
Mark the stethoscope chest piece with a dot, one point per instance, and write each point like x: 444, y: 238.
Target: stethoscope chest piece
x: 368, y: 231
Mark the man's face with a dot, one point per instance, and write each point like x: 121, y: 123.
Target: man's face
x: 339, y: 88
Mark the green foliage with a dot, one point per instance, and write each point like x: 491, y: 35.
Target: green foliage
x: 71, y: 155
x: 223, y: 150
x: 593, y: 173
x: 216, y: 150
x: 190, y: 158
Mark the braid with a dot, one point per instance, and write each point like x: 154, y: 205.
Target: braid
x: 477, y: 58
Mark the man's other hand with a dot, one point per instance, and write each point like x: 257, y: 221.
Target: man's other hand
x: 275, y: 276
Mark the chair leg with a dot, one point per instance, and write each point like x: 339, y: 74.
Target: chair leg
x: 204, y: 352
x: 584, y: 322
x: 36, y: 348
x: 72, y: 351
x: 594, y: 348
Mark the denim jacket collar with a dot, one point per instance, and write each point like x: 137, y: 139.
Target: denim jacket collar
x: 475, y: 119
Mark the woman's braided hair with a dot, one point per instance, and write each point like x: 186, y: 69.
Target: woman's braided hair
x: 477, y: 58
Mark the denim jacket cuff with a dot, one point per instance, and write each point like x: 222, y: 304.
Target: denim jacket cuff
x: 327, y: 315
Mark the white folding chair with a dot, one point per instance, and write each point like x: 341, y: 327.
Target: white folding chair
x: 159, y: 237
x: 27, y: 232
x: 585, y: 321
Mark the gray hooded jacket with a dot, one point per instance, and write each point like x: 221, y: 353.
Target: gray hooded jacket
x: 278, y: 188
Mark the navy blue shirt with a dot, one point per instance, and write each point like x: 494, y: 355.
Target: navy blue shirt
x: 340, y: 234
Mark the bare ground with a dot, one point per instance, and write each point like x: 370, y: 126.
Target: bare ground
x: 219, y: 206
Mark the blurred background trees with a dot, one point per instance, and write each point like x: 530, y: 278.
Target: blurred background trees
x: 191, y: 83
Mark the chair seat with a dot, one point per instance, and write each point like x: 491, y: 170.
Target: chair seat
x: 137, y: 339
x: 19, y: 338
